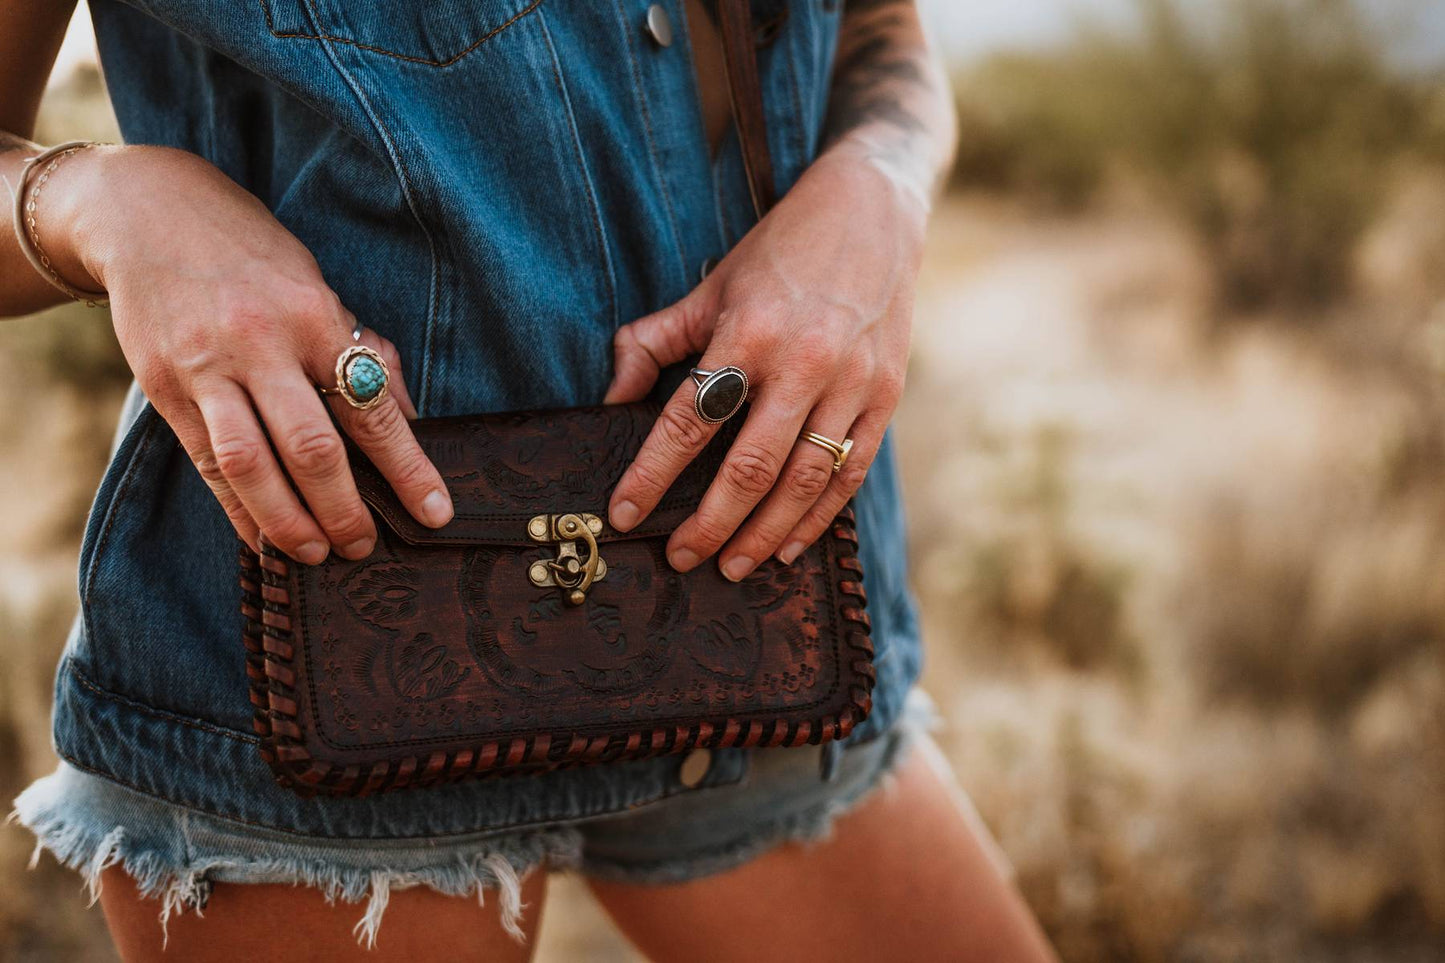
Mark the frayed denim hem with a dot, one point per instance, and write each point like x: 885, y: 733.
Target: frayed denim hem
x: 175, y: 855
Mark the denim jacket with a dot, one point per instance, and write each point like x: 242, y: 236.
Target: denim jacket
x: 494, y: 185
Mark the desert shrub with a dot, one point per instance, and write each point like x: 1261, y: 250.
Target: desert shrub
x: 1035, y: 582
x: 71, y: 345
x: 1270, y: 127
x: 1313, y: 611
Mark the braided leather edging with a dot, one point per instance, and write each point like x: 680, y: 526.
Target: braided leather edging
x: 266, y: 608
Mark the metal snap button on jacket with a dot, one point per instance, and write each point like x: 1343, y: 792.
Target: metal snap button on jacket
x: 659, y: 25
x: 694, y: 767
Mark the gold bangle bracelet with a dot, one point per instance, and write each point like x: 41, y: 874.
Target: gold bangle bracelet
x: 26, y: 199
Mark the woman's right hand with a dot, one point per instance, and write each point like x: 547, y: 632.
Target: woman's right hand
x: 229, y: 327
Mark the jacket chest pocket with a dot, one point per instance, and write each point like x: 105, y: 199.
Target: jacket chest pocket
x: 435, y: 33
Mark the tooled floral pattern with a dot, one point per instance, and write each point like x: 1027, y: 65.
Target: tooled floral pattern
x: 560, y: 457
x: 420, y: 670
x: 729, y: 647
x: 605, y: 656
x: 382, y: 592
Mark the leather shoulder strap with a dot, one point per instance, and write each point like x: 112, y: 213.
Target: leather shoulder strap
x: 735, y: 22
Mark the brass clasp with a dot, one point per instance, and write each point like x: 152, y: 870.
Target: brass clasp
x: 568, y: 571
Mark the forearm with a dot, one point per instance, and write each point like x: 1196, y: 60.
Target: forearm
x: 891, y: 102
x: 31, y: 32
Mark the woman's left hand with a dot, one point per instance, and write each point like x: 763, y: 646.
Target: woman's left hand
x: 815, y: 306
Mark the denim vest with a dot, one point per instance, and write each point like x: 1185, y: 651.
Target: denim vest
x: 494, y: 185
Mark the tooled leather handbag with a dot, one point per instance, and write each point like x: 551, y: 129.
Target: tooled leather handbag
x: 527, y: 634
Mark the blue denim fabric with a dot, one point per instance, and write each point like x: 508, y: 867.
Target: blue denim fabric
x: 494, y: 185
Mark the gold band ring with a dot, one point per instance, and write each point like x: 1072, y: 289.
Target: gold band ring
x: 839, y: 450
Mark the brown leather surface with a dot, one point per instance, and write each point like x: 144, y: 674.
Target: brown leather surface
x: 437, y: 658
x: 735, y: 23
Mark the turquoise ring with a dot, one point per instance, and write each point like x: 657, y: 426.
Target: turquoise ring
x: 362, y: 377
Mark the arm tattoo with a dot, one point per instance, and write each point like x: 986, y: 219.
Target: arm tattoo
x: 889, y: 95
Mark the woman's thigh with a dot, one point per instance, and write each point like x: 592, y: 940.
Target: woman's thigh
x: 282, y: 923
x: 906, y: 875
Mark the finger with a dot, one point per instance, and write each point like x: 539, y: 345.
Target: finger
x: 385, y: 435
x: 185, y: 420
x: 749, y: 471
x: 383, y: 432
x: 244, y: 458
x: 643, y: 348
x: 867, y: 435
x: 315, y: 458
x: 396, y: 385
x: 398, y: 389
x: 806, y: 475
x: 676, y: 438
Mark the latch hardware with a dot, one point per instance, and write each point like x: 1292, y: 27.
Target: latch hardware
x: 569, y: 571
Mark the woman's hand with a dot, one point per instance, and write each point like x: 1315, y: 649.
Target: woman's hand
x: 815, y: 305
x: 229, y: 327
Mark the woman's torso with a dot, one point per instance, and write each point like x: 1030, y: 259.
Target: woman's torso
x: 494, y: 185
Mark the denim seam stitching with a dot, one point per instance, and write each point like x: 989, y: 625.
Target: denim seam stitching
x: 641, y: 99
x: 796, y: 127
x: 404, y: 179
x: 724, y: 223
x: 711, y: 165
x: 666, y: 792
x: 586, y: 172
x: 428, y: 62
x: 122, y: 488
x: 164, y: 715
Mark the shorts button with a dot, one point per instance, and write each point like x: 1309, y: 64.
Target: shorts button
x: 708, y: 263
x: 694, y: 767
x: 659, y: 25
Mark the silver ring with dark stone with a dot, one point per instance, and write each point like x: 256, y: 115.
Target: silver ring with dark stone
x: 720, y: 393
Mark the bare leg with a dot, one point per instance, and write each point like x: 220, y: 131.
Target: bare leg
x: 280, y: 923
x: 904, y: 877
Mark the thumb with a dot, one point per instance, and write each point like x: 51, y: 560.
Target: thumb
x: 643, y: 348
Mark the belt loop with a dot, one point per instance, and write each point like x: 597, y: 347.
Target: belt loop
x: 828, y: 761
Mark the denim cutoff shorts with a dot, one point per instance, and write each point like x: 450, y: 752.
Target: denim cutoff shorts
x: 176, y: 853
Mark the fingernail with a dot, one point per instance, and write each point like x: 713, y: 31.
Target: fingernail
x: 624, y: 516
x: 790, y: 552
x: 437, y: 507
x: 736, y: 568
x: 313, y: 553
x: 682, y: 559
x: 358, y: 549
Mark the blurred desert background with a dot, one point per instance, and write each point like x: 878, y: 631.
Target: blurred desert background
x: 1174, y: 444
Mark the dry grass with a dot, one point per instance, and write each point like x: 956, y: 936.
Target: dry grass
x: 1184, y: 602
x: 1271, y: 128
x: 1182, y: 582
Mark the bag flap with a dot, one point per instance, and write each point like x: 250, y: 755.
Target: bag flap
x: 504, y: 469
